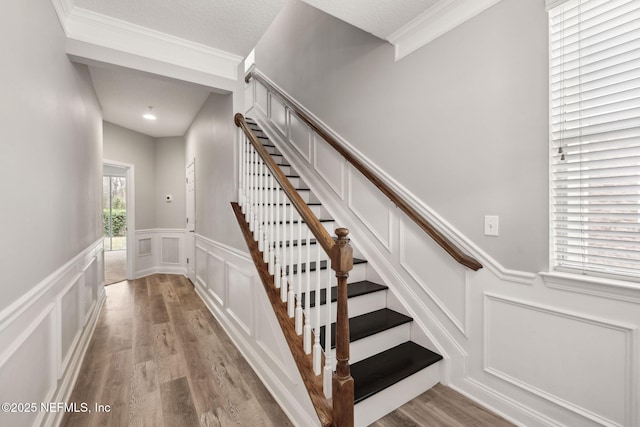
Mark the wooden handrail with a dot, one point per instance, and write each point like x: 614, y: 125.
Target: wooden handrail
x: 453, y: 250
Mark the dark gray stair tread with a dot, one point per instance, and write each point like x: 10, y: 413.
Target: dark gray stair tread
x: 323, y: 265
x: 288, y: 204
x: 385, y: 369
x: 368, y: 324
x: 295, y: 221
x: 295, y: 243
x: 355, y: 289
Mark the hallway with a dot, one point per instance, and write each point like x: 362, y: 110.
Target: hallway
x: 158, y: 357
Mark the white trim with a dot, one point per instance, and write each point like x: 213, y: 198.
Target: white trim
x: 631, y: 337
x: 434, y: 22
x: 131, y: 214
x: 104, y: 31
x: 596, y: 286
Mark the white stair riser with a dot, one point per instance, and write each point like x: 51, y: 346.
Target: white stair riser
x: 304, y: 194
x: 280, y: 229
x: 358, y: 273
x: 356, y: 306
x: 281, y: 210
x: 297, y: 258
x: 389, y: 399
x: 376, y: 343
x: 295, y: 181
x: 278, y: 158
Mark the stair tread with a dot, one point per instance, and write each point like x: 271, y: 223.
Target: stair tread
x: 355, y: 289
x: 385, y: 369
x: 368, y: 324
x: 296, y: 221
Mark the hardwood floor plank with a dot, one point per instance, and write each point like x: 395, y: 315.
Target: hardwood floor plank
x: 158, y: 309
x: 177, y: 406
x: 145, y: 399
x: 164, y: 341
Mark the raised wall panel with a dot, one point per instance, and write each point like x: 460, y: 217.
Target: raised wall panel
x: 202, y: 266
x: 584, y: 364
x: 440, y: 277
x: 27, y: 369
x: 90, y: 291
x: 330, y: 165
x: 300, y: 136
x: 144, y: 246
x: 261, y: 98
x: 69, y: 315
x: 366, y: 201
x: 170, y: 250
x: 217, y: 278
x: 279, y: 115
x: 240, y: 297
x: 248, y: 96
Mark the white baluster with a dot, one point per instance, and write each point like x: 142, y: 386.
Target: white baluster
x: 241, y: 169
x: 299, y: 281
x: 284, y: 283
x: 260, y: 236
x: 317, y: 348
x: 277, y: 272
x: 271, y: 228
x: 306, y: 337
x: 292, y: 295
x: 328, y: 369
x: 252, y: 189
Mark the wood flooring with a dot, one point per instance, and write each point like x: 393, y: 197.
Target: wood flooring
x: 159, y: 358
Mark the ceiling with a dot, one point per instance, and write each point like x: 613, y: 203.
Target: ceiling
x: 199, y: 44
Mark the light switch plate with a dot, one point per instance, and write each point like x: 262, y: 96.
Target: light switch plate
x: 491, y: 225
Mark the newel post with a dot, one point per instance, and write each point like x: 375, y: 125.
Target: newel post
x: 342, y: 263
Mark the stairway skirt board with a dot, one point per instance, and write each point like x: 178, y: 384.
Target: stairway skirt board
x: 388, y: 368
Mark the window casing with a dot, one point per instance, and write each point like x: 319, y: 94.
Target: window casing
x: 595, y: 136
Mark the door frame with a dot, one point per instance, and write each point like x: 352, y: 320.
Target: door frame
x: 130, y: 215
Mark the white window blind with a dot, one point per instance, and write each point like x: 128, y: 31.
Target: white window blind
x: 595, y: 136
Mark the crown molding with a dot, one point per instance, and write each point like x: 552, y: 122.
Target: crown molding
x: 435, y: 22
x: 106, y: 32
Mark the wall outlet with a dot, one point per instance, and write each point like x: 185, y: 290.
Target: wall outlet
x: 491, y: 225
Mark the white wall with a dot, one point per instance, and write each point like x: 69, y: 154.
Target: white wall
x: 461, y: 122
x: 51, y: 253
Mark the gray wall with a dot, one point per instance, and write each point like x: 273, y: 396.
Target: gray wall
x: 159, y: 170
x: 210, y: 141
x: 124, y: 145
x: 50, y: 150
x: 170, y: 179
x: 461, y: 122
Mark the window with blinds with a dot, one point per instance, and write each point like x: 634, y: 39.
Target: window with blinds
x: 595, y: 136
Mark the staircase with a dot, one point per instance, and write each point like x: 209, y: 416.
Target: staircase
x: 388, y: 368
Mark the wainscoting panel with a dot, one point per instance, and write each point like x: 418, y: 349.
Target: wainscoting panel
x: 70, y: 317
x: 440, y: 279
x: 217, y: 274
x: 300, y: 136
x: 228, y: 283
x: 261, y: 99
x: 239, y: 286
x: 370, y: 206
x: 520, y: 349
x: 330, y: 165
x: 163, y: 251
x: 43, y: 337
x: 278, y: 114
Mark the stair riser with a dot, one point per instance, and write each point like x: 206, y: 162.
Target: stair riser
x: 377, y: 343
x: 356, y: 306
x: 391, y: 398
x: 288, y: 170
x: 302, y: 258
x: 281, y: 211
x: 295, y: 181
x: 280, y: 229
x: 304, y: 194
x: 278, y: 158
x: 358, y: 273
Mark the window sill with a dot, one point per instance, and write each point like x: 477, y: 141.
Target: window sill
x: 590, y: 285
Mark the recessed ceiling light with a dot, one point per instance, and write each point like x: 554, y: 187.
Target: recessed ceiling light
x: 149, y: 114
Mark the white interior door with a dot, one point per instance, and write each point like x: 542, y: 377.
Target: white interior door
x: 190, y: 240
